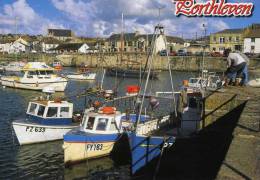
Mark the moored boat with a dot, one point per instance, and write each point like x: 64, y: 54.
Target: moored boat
x: 98, y: 133
x: 57, y: 65
x: 45, y: 121
x: 35, y: 76
x: 82, y: 76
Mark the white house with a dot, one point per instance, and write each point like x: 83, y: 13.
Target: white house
x: 252, y: 41
x: 15, y: 46
x: 5, y: 46
x: 72, y: 48
x: 48, y: 44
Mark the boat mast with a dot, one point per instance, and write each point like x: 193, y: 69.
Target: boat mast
x: 122, y: 39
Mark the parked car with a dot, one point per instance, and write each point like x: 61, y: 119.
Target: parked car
x: 182, y: 52
x: 163, y: 53
x: 172, y: 53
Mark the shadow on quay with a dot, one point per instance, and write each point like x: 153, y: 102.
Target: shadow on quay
x: 198, y: 157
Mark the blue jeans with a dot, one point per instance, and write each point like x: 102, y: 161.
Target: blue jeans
x: 245, y: 76
x: 233, y: 72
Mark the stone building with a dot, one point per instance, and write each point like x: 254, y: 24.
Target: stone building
x: 61, y: 34
x: 227, y: 39
x: 252, y: 39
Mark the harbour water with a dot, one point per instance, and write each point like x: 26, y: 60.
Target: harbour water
x: 45, y: 161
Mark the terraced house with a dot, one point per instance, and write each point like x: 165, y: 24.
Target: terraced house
x: 136, y: 42
x: 227, y: 39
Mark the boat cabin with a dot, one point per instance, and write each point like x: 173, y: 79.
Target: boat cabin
x: 102, y: 123
x: 50, y: 112
x: 191, y: 115
x: 37, y: 70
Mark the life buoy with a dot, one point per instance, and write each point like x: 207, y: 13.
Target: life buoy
x: 132, y: 89
x: 107, y: 110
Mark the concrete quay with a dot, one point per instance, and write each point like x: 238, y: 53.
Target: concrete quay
x: 226, y: 147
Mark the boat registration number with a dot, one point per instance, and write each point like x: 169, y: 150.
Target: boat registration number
x: 94, y: 147
x: 34, y: 129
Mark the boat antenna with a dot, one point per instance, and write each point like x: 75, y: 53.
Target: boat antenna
x: 122, y: 38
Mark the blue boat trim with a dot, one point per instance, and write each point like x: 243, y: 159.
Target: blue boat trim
x: 76, y: 135
x: 49, y: 121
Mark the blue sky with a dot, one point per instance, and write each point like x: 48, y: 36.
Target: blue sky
x: 103, y: 17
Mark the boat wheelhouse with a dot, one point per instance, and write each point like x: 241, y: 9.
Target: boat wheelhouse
x: 45, y: 121
x: 95, y: 137
x: 35, y: 76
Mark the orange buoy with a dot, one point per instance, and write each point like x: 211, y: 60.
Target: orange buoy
x: 108, y: 110
x: 132, y: 89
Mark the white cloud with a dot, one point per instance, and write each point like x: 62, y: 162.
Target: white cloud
x: 102, y: 17
x: 27, y: 19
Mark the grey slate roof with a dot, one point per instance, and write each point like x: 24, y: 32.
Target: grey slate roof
x: 69, y: 46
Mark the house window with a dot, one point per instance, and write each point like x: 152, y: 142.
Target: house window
x: 222, y: 40
x: 252, y: 48
x: 237, y: 38
x: 214, y: 49
x: 252, y: 39
x: 230, y: 38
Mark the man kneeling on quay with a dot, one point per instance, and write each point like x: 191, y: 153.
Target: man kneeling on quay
x: 237, y: 67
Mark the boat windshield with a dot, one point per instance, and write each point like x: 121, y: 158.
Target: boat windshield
x: 113, y: 125
x: 102, y: 124
x: 49, y: 72
x: 52, y: 112
x: 193, y: 80
x: 32, y: 108
x: 41, y: 110
x: 90, y: 123
x: 20, y: 74
x: 64, y: 112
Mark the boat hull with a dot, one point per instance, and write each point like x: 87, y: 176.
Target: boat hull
x: 129, y: 73
x: 30, y: 133
x: 57, y: 86
x: 90, y: 76
x: 79, y: 146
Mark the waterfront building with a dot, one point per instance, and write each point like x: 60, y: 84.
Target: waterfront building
x: 74, y: 48
x: 47, y: 44
x: 227, y: 39
x: 136, y: 42
x: 252, y: 39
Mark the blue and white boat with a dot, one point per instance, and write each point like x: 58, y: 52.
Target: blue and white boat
x: 45, y: 121
x: 99, y: 131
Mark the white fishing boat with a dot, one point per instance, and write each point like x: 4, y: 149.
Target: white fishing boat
x: 254, y: 82
x: 82, y: 76
x: 46, y: 121
x: 207, y: 80
x: 35, y: 76
x: 14, y: 66
x: 99, y: 131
